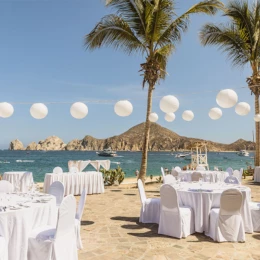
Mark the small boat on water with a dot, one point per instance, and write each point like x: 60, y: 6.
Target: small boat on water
x: 107, y: 153
x: 243, y: 153
x: 182, y: 155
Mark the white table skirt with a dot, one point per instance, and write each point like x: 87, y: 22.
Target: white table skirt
x: 20, y: 179
x: 214, y: 176
x: 257, y: 174
x: 74, y: 183
x: 203, y: 201
x: 16, y: 225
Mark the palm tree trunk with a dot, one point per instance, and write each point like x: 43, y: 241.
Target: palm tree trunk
x: 146, y: 135
x: 257, y: 124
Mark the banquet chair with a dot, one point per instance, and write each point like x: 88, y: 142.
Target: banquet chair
x: 169, y: 179
x: 177, y: 168
x: 226, y: 223
x: 196, y: 176
x: 56, y: 243
x: 255, y: 214
x: 78, y: 218
x: 57, y: 170
x: 6, y: 186
x: 200, y: 168
x: 237, y: 174
x: 175, y: 221
x: 174, y: 173
x: 73, y: 169
x: 229, y: 170
x: 3, y: 249
x: 57, y: 189
x: 150, y: 210
x: 162, y: 171
x: 232, y: 180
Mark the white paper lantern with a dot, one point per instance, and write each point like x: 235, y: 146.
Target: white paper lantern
x: 242, y: 108
x: 6, y: 109
x: 257, y: 117
x: 123, y: 108
x: 169, y: 117
x: 78, y: 110
x: 169, y: 104
x: 153, y: 117
x: 187, y: 115
x: 227, y: 98
x: 215, y: 113
x: 38, y: 111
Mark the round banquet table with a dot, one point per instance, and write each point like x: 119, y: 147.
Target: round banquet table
x: 19, y: 214
x: 208, y: 176
x: 257, y: 174
x: 74, y: 183
x: 19, y: 179
x: 203, y: 198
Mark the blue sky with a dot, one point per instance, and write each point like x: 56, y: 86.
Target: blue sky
x: 43, y: 59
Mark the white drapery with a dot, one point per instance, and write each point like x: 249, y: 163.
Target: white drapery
x: 81, y: 165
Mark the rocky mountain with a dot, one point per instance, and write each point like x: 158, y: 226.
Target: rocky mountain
x: 161, y: 139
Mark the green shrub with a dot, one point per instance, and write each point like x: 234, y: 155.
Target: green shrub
x: 112, y: 176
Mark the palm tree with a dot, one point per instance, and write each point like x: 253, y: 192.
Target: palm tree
x: 240, y: 39
x: 152, y: 29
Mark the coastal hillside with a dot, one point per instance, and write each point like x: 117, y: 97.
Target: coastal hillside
x: 161, y: 139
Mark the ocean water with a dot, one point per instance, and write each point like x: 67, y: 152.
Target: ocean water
x: 40, y: 162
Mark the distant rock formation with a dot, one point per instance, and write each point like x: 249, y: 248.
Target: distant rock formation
x: 161, y: 139
x: 16, y: 145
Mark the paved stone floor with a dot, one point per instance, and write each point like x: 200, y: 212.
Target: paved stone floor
x: 110, y: 230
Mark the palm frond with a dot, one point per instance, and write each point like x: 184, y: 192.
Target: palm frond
x: 238, y: 11
x: 132, y: 11
x: 229, y: 40
x: 162, y: 55
x: 113, y: 31
x: 173, y: 32
x: 159, y: 18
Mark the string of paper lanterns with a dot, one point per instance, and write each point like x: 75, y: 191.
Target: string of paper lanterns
x: 169, y: 104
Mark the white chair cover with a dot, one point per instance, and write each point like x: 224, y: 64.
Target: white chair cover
x: 241, y: 172
x: 200, y: 168
x: 162, y: 170
x: 255, y: 213
x: 79, y: 216
x: 150, y: 210
x: 174, y: 173
x: 73, y: 164
x: 169, y: 179
x: 226, y: 223
x: 232, y: 180
x: 57, y: 170
x: 57, y: 190
x: 82, y: 165
x: 48, y: 243
x: 3, y: 249
x: 237, y: 174
x: 196, y: 176
x: 175, y: 221
x: 178, y: 169
x: 229, y: 170
x: 6, y: 186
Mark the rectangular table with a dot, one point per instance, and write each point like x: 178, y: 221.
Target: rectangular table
x: 74, y: 183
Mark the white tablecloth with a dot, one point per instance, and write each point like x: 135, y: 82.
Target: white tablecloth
x: 74, y: 183
x: 20, y: 179
x: 209, y: 176
x: 257, y: 174
x: 202, y: 201
x: 16, y: 224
